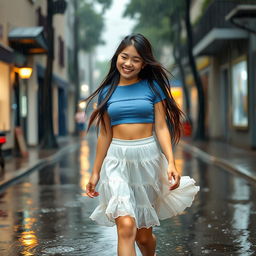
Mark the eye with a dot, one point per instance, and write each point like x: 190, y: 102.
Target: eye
x: 123, y: 57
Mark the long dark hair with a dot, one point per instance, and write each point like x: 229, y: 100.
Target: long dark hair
x: 153, y: 71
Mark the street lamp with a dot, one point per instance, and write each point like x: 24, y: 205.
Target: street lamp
x: 25, y: 72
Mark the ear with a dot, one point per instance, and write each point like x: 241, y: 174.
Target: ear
x: 143, y: 65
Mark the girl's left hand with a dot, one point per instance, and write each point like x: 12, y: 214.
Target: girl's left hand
x: 173, y: 175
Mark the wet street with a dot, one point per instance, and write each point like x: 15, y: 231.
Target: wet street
x: 46, y: 213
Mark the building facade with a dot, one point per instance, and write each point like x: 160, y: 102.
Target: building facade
x: 226, y: 58
x: 23, y: 43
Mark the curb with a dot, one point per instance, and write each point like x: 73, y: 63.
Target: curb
x: 222, y: 163
x: 38, y: 165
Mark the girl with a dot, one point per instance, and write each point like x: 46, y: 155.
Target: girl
x: 139, y: 183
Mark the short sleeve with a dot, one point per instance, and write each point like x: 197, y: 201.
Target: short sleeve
x: 160, y: 96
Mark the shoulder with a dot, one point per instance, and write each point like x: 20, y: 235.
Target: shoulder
x: 103, y: 91
x: 159, y: 87
x: 160, y: 92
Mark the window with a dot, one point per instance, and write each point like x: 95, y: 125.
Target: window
x: 4, y: 97
x: 61, y: 52
x: 240, y: 94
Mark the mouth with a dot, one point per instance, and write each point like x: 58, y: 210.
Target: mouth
x: 127, y: 70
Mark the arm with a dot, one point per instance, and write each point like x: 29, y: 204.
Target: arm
x: 164, y: 138
x: 103, y: 143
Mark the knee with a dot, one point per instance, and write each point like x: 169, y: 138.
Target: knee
x: 145, y: 239
x: 127, y: 228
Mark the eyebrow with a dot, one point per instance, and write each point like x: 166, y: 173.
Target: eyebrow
x: 126, y: 54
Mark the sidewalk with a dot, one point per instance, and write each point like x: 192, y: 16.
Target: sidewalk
x: 231, y: 158
x: 234, y: 159
x: 16, y: 167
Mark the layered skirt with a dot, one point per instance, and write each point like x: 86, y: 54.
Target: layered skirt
x: 134, y: 182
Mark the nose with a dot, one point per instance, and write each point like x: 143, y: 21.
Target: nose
x: 128, y: 62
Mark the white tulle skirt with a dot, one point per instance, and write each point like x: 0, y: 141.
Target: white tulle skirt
x: 134, y: 182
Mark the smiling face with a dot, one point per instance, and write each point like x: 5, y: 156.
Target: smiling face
x: 129, y: 64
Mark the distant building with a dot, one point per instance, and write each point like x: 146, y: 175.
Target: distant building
x: 226, y: 57
x: 23, y: 43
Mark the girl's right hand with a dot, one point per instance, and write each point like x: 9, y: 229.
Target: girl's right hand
x: 90, y: 187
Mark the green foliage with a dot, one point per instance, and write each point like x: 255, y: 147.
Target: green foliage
x: 91, y: 23
x: 205, y: 4
x: 158, y: 37
x: 154, y: 20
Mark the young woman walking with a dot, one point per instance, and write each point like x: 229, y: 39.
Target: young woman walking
x: 134, y: 165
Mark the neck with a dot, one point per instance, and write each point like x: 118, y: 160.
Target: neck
x: 127, y: 82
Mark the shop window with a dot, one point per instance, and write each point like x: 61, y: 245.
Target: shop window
x: 240, y: 94
x: 61, y: 52
x: 4, y: 97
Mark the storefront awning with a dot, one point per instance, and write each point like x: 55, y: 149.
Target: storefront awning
x: 216, y: 39
x: 6, y: 54
x: 28, y: 40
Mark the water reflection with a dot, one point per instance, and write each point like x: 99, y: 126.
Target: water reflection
x: 240, y: 202
x: 48, y: 215
x: 24, y: 231
x: 84, y: 166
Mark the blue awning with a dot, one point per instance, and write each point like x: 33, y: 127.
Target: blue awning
x: 28, y: 40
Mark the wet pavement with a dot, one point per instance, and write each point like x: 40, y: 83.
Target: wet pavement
x: 46, y: 213
x: 18, y: 166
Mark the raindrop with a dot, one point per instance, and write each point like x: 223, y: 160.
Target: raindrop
x: 58, y: 249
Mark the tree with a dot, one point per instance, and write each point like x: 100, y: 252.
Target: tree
x: 88, y: 27
x: 200, y: 131
x: 48, y: 139
x: 150, y: 15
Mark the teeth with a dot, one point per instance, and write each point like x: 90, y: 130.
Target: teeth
x: 127, y: 70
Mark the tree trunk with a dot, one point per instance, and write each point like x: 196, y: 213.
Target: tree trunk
x: 200, y: 131
x: 48, y: 139
x: 76, y: 61
x: 76, y: 52
x: 177, y: 58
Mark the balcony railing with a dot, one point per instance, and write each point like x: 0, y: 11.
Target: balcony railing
x: 214, y: 17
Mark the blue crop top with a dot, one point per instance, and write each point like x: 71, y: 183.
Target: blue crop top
x: 132, y: 103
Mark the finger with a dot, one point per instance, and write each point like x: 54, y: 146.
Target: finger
x: 95, y: 193
x: 90, y: 195
x: 90, y: 191
x: 174, y: 186
x: 176, y: 182
x: 169, y: 176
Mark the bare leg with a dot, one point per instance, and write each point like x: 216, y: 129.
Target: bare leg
x: 126, y: 231
x: 146, y: 241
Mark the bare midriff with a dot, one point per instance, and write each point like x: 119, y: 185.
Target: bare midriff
x: 132, y: 131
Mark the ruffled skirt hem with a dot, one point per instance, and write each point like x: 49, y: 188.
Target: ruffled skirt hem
x: 134, y: 183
